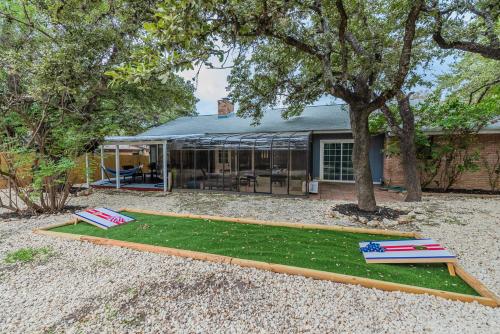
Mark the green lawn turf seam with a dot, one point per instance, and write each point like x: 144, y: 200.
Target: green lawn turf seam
x: 325, y: 250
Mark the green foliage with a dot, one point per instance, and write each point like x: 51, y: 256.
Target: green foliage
x: 456, y: 117
x: 284, y: 51
x: 56, y: 98
x: 29, y: 254
x: 492, y: 168
x: 292, y: 53
x: 471, y: 79
x: 445, y: 157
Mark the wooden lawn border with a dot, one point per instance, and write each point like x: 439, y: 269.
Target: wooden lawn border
x: 486, y: 297
x: 277, y: 223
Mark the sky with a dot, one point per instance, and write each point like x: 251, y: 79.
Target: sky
x: 212, y: 85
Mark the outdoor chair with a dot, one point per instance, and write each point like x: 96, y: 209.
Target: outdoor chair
x: 247, y: 181
x: 140, y: 173
x: 153, y: 171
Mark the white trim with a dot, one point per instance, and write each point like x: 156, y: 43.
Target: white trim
x: 335, y: 181
x: 329, y: 141
x: 319, y: 132
x: 165, y: 168
x: 137, y: 143
x: 117, y: 166
x: 102, y: 162
x: 322, y: 143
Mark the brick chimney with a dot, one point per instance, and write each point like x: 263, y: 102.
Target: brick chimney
x: 224, y: 108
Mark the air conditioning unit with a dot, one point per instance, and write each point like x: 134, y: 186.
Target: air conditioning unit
x: 313, y: 187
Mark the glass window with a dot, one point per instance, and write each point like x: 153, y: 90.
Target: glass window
x: 175, y: 167
x: 253, y: 162
x: 246, y: 177
x: 279, y: 176
x: 298, y: 172
x: 223, y: 157
x: 337, y: 161
x: 187, y: 169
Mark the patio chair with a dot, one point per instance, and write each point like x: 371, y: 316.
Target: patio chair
x: 247, y: 181
x: 153, y: 171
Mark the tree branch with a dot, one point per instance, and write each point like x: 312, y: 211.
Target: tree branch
x: 492, y: 51
x: 487, y: 86
x: 356, y: 46
x: 391, y: 120
x: 404, y: 59
x: 342, y: 37
x: 28, y: 24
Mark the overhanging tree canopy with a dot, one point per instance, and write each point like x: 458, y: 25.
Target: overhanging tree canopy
x: 298, y: 50
x: 56, y: 101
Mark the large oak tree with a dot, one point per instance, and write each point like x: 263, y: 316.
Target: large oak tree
x: 294, y: 52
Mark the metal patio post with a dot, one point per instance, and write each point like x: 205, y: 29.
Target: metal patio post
x: 117, y: 166
x: 165, y: 167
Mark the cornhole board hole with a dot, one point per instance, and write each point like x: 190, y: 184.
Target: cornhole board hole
x: 102, y: 217
x: 408, y: 251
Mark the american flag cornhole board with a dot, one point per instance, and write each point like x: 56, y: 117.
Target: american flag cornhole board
x: 407, y: 251
x: 102, y: 217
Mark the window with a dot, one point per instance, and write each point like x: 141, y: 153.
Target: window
x: 223, y: 157
x: 336, y: 161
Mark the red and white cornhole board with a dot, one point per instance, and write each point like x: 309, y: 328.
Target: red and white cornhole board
x: 102, y: 217
x: 410, y: 251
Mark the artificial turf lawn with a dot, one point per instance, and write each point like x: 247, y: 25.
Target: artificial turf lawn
x: 332, y: 251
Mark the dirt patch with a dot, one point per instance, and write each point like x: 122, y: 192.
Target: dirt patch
x: 8, y: 215
x: 381, y: 213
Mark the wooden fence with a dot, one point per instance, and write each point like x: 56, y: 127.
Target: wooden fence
x: 78, y: 173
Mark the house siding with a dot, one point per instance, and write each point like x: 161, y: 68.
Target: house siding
x: 487, y: 144
x: 376, y: 153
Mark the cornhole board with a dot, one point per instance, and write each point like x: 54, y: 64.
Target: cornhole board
x: 102, y: 217
x: 410, y: 251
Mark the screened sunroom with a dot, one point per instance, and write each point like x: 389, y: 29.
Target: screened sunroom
x: 268, y: 163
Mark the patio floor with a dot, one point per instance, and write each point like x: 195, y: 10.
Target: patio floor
x: 139, y: 186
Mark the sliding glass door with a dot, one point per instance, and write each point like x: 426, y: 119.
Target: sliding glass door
x: 336, y: 161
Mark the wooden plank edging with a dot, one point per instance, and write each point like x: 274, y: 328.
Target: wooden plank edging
x: 475, y: 284
x: 487, y: 297
x: 277, y: 223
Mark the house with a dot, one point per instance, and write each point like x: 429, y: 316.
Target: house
x: 277, y: 156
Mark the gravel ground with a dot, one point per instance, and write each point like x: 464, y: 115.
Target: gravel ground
x: 84, y: 288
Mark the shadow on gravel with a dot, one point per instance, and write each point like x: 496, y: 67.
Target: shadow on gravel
x: 352, y: 209
x: 6, y: 216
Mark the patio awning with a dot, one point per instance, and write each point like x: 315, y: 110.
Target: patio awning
x: 241, y: 141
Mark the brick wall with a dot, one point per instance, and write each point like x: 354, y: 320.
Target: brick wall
x: 486, y: 144
x: 393, y: 171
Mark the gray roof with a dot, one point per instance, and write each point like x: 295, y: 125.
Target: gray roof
x: 318, y: 118
x: 493, y: 126
x: 331, y: 118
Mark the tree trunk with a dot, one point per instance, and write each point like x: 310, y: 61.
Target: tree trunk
x: 360, y: 158
x: 409, y: 162
x: 409, y: 151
